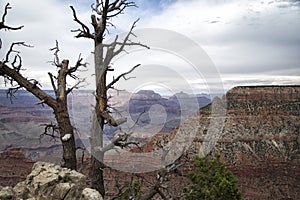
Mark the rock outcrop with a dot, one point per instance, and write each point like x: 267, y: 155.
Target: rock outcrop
x: 48, y: 181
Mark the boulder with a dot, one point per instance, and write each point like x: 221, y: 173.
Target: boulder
x: 90, y: 194
x: 48, y: 181
x: 6, y: 193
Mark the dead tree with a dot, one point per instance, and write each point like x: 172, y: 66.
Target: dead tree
x: 103, y: 12
x: 10, y: 69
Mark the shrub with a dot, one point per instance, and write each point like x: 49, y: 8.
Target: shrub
x: 211, y: 180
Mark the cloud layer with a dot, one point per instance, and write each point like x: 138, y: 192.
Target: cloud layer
x: 250, y: 42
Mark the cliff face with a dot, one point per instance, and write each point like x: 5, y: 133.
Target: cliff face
x: 260, y: 140
x: 14, y: 167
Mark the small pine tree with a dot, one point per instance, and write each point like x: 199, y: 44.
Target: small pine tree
x: 211, y: 180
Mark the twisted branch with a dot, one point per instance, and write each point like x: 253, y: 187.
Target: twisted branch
x: 11, y: 50
x: 56, y: 50
x: 84, y: 31
x: 2, y: 23
x: 50, y: 130
x: 127, y: 41
x: 110, y: 85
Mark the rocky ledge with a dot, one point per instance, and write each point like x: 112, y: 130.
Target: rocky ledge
x: 48, y: 181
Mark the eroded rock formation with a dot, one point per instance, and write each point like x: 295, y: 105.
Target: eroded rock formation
x: 259, y: 140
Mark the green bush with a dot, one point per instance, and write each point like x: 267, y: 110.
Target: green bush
x: 211, y: 180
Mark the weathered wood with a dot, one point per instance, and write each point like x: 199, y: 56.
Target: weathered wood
x: 103, y: 55
x: 31, y: 87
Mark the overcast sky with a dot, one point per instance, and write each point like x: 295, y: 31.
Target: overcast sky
x: 250, y: 42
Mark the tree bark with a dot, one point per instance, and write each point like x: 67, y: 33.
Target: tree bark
x: 97, y: 160
x: 63, y: 119
x: 65, y: 128
x: 96, y: 173
x: 23, y: 82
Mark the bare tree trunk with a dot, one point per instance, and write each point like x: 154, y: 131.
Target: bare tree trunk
x: 63, y: 119
x: 104, y: 10
x: 96, y: 174
x: 66, y: 135
x: 97, y: 160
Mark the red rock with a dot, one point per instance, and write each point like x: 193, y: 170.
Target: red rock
x: 14, y: 167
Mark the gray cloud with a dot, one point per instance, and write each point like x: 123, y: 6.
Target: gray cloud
x: 243, y: 38
x: 250, y: 38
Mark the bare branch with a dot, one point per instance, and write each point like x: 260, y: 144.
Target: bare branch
x: 98, y: 7
x: 2, y: 23
x: 16, y: 65
x: 120, y: 141
x: 128, y: 42
x: 11, y: 93
x: 124, y: 145
x: 40, y: 102
x: 52, y: 81
x: 84, y: 31
x: 50, y: 130
x: 56, y: 61
x: 109, y: 118
x: 110, y: 85
x: 71, y: 70
x: 76, y: 86
x: 11, y: 50
x: 163, y: 177
x: 19, y: 65
x: 137, y: 120
x: 118, y: 6
x: 12, y: 76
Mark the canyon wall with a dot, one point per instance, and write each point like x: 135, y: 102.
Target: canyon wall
x: 259, y: 140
